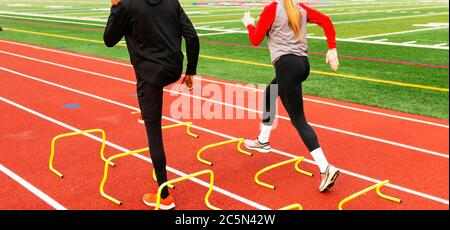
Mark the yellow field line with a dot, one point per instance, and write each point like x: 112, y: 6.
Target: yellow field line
x: 409, y: 85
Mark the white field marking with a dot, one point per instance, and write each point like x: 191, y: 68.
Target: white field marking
x: 388, y: 18
x: 441, y: 44
x: 216, y: 33
x: 37, y: 192
x: 362, y: 136
x: 387, y: 11
x: 342, y: 39
x: 357, y: 175
x: 58, y: 7
x: 101, y: 20
x: 432, y: 24
x: 52, y: 16
x: 310, y: 34
x: 365, y: 6
x: 226, y: 10
x: 342, y: 22
x: 381, y: 40
x: 52, y: 20
x: 18, y: 5
x: 400, y: 32
x: 197, y: 12
x: 216, y: 15
x: 122, y: 149
x: 385, y: 43
x: 235, y: 85
x: 101, y: 9
x: 216, y: 22
x: 85, y: 14
x: 410, y: 42
x: 219, y: 30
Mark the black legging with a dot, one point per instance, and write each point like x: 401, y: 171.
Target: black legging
x: 291, y: 71
x: 151, y: 103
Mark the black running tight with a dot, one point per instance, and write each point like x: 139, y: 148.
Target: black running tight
x: 291, y: 71
x: 151, y: 103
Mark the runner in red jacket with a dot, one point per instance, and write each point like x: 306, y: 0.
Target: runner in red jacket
x: 284, y: 24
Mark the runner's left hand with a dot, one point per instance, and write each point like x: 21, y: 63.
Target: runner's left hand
x: 248, y: 19
x: 188, y: 81
x: 332, y: 59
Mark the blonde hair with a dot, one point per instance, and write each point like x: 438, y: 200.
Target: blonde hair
x: 294, y: 17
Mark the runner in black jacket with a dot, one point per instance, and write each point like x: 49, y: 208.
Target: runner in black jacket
x: 153, y: 30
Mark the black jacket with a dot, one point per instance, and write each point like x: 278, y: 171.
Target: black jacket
x: 153, y: 30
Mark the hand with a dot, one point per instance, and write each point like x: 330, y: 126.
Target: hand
x: 332, y: 59
x: 188, y: 81
x: 248, y: 19
x: 115, y: 2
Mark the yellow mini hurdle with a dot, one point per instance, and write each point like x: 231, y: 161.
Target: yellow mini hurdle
x: 270, y: 167
x: 292, y: 207
x: 105, y: 173
x: 52, y: 149
x: 208, y: 194
x: 239, y: 142
x: 377, y: 188
x: 109, y: 160
x: 210, y: 190
x: 188, y: 128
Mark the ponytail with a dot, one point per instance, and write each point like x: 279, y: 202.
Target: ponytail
x: 294, y: 17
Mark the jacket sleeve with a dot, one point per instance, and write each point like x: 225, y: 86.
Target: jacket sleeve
x: 192, y: 42
x: 117, y: 25
x: 266, y: 19
x: 323, y: 21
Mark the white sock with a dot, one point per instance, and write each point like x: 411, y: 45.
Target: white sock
x: 320, y: 159
x: 265, y: 133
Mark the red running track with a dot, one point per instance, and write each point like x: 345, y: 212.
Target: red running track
x: 357, y: 158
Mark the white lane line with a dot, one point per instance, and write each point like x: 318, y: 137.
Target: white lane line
x: 234, y: 85
x: 441, y: 44
x: 122, y: 149
x: 357, y: 175
x: 381, y: 140
x: 410, y: 42
x: 400, y: 32
x: 46, y: 198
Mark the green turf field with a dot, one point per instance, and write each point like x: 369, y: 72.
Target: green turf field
x: 406, y: 42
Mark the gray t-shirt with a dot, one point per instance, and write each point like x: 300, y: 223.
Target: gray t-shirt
x: 281, y: 38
